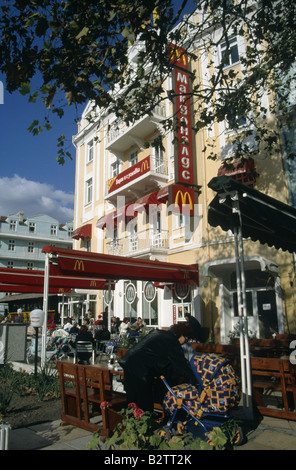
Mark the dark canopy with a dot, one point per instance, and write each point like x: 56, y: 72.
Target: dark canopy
x: 263, y: 218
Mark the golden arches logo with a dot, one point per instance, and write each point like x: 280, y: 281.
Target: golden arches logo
x: 184, y: 197
x: 145, y: 166
x: 111, y: 182
x: 93, y: 283
x: 177, y: 54
x: 79, y: 265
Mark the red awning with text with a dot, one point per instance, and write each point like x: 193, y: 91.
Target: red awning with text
x: 83, y: 264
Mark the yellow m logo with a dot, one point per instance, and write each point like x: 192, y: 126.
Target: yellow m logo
x: 177, y: 54
x: 79, y: 265
x: 184, y: 197
x: 145, y: 165
x: 93, y: 283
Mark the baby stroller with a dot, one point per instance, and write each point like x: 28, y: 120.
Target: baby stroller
x: 198, y: 409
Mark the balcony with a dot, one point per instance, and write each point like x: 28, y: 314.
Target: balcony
x: 142, y: 244
x: 121, y: 137
x: 148, y: 175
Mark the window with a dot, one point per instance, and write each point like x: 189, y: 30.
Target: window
x: 89, y: 191
x: 90, y: 151
x: 30, y: 265
x: 10, y: 264
x: 11, y: 245
x: 54, y: 230
x: 31, y: 247
x: 179, y: 220
x: 12, y: 226
x: 158, y: 153
x: 32, y: 227
x: 70, y: 231
x: 229, y: 52
x: 133, y: 158
x: 115, y: 169
x: 133, y: 237
x: 235, y: 122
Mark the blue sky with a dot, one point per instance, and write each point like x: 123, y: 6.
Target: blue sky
x: 30, y: 177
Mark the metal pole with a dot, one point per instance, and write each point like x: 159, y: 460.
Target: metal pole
x: 240, y: 315
x: 45, y: 309
x: 245, y: 314
x: 36, y: 350
x: 244, y: 340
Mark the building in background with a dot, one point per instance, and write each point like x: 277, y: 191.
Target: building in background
x: 133, y: 184
x: 22, y: 240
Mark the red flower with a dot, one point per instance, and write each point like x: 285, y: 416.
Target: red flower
x: 138, y: 413
x: 104, y: 404
x: 132, y: 405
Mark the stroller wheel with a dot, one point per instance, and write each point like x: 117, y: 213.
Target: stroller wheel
x: 180, y: 427
x: 166, y: 433
x: 238, y: 438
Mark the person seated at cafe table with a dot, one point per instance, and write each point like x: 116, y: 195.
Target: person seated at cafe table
x: 84, y: 335
x: 101, y: 333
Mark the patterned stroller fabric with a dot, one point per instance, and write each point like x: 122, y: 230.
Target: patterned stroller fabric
x: 184, y: 393
x: 218, y: 387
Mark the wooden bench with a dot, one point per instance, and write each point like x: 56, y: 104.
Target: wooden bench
x: 83, y: 387
x: 274, y: 375
x: 227, y: 350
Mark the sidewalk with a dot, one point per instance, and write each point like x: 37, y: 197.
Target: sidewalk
x: 49, y: 436
x: 270, y: 434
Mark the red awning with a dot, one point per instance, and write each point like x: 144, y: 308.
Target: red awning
x: 145, y: 201
x: 82, y: 232
x: 58, y: 280
x: 105, y: 220
x: 130, y: 210
x: 83, y: 264
x: 32, y: 289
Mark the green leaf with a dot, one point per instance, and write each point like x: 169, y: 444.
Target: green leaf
x: 25, y: 88
x: 82, y: 33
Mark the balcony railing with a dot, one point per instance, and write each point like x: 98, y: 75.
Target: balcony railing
x: 154, y: 167
x: 117, y: 130
x: 142, y: 242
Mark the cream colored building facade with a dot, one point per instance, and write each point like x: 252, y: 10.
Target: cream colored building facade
x: 125, y: 201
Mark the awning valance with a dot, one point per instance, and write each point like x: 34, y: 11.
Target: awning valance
x: 82, y: 232
x: 20, y: 296
x: 13, y: 288
x: 263, y: 218
x: 58, y: 280
x: 83, y: 264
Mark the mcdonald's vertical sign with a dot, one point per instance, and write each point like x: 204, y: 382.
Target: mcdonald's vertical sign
x: 182, y: 199
x: 184, y: 163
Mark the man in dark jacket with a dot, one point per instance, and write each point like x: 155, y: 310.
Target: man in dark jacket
x: 159, y: 353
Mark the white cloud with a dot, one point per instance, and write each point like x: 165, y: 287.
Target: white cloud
x: 19, y: 194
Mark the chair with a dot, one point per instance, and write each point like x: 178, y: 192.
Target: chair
x: 84, y: 351
x: 271, y: 375
x: 103, y: 352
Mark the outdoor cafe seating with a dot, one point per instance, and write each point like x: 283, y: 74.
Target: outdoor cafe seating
x: 85, y: 387
x: 273, y: 374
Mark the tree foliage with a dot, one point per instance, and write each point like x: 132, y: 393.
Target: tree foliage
x: 80, y: 51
